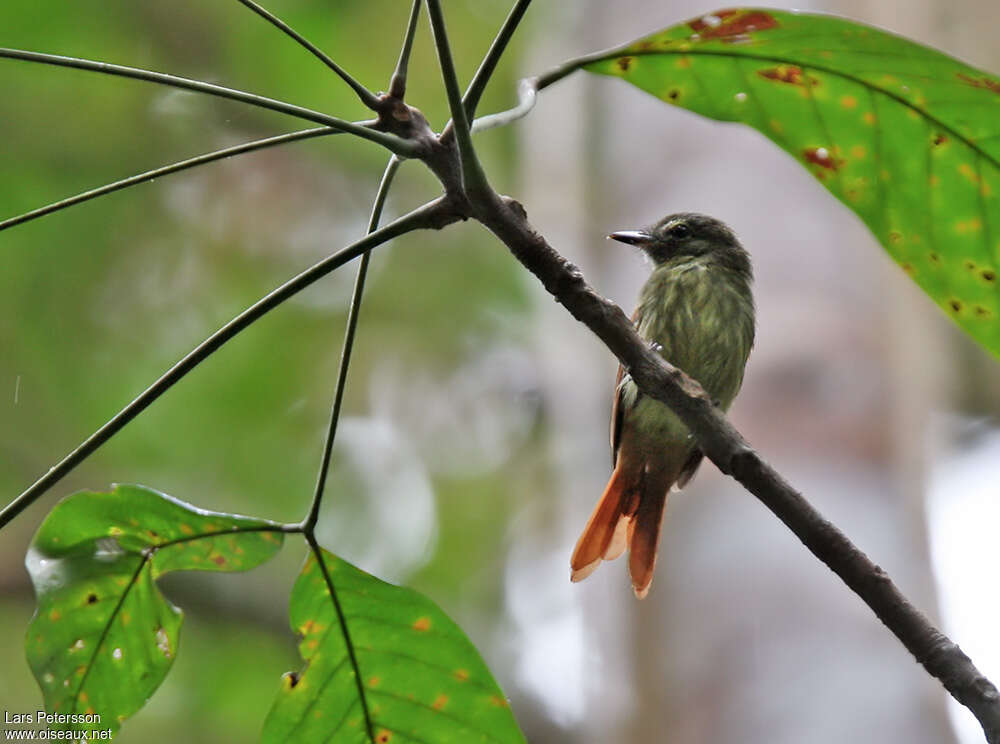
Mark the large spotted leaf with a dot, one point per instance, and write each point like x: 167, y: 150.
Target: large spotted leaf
x: 907, y: 137
x: 382, y: 664
x: 103, y: 636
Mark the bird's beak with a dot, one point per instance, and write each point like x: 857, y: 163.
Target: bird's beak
x: 632, y: 237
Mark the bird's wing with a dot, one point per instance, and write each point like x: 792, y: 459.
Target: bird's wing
x: 616, y: 407
x: 616, y: 417
x: 690, y: 468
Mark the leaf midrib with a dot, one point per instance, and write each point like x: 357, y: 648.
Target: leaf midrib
x: 606, y: 56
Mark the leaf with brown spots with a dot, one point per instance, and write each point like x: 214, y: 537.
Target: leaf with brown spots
x: 424, y: 681
x: 723, y: 24
x: 789, y: 74
x: 103, y: 636
x: 905, y: 136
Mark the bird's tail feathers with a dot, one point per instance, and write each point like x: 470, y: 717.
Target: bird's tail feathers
x: 644, y: 535
x: 606, y: 535
x: 628, y: 515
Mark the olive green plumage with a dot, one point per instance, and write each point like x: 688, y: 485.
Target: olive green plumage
x: 697, y: 306
x: 697, y: 309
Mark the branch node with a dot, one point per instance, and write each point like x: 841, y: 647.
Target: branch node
x: 516, y: 207
x: 987, y: 691
x: 742, y: 462
x: 397, y: 117
x: 571, y: 281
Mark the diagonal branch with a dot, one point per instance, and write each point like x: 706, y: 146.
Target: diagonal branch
x: 348, y: 347
x: 394, y: 144
x: 492, y: 58
x: 433, y: 215
x: 472, y: 171
x: 369, y: 99
x: 165, y: 170
x: 397, y: 83
x: 724, y: 445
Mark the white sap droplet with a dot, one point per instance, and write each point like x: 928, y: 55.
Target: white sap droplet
x: 78, y: 645
x: 712, y: 21
x: 741, y: 96
x: 822, y: 153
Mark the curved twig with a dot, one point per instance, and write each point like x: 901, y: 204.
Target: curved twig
x: 489, y: 65
x: 369, y: 99
x: 527, y: 94
x: 394, y: 144
x: 165, y: 170
x: 435, y: 214
x: 348, y: 347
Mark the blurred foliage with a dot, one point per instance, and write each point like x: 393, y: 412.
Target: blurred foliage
x: 98, y: 300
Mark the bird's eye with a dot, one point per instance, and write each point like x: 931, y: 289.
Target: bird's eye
x: 679, y: 231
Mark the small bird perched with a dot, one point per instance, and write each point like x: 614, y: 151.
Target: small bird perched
x: 697, y: 310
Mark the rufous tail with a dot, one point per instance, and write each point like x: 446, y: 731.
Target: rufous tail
x: 628, y: 514
x: 644, y: 535
x: 604, y: 536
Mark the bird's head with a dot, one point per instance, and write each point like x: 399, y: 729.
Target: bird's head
x: 688, y: 235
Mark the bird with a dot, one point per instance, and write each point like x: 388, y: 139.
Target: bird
x: 696, y: 309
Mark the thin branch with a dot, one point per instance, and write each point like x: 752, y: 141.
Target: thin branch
x: 566, y: 68
x: 482, y: 77
x: 394, y: 144
x: 527, y: 91
x: 472, y: 171
x: 369, y: 99
x: 397, y: 83
x: 345, y: 354
x: 166, y: 170
x: 527, y: 94
x: 435, y: 214
x: 731, y: 453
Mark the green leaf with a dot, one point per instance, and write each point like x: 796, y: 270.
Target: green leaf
x: 384, y: 664
x: 103, y: 636
x: 907, y: 137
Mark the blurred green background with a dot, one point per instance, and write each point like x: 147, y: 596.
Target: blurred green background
x: 473, y: 443
x: 99, y: 300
